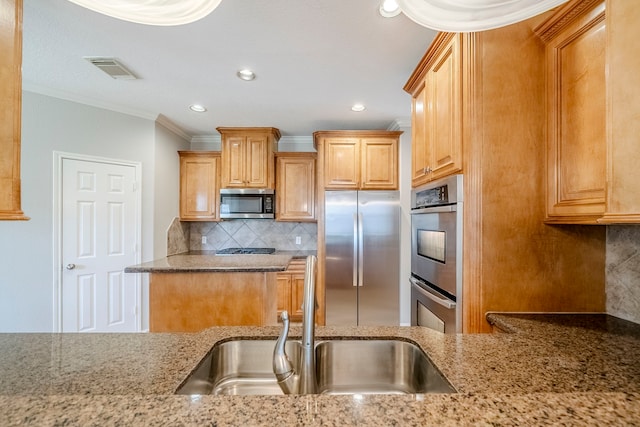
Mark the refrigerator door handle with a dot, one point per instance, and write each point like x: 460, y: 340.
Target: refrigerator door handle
x: 360, y: 251
x: 354, y: 275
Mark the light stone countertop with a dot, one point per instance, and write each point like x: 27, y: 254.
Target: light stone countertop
x: 547, y: 370
x: 211, y: 263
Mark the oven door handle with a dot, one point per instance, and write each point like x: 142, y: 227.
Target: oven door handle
x: 424, y: 292
x: 434, y: 209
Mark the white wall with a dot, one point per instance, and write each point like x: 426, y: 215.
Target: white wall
x: 405, y: 220
x: 26, y: 247
x: 167, y: 184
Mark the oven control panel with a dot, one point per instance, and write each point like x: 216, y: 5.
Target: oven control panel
x: 445, y: 191
x: 432, y: 196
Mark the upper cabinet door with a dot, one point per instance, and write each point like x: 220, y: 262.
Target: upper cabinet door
x: 199, y: 180
x: 358, y: 160
x: 379, y: 163
x: 234, y: 162
x: 576, y: 122
x: 436, y: 90
x: 342, y: 163
x: 248, y: 157
x: 257, y: 159
x: 444, y: 121
x: 419, y: 160
x: 296, y: 187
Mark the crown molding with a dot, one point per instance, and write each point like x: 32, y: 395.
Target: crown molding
x: 400, y: 123
x: 206, y: 139
x: 166, y: 123
x: 87, y: 101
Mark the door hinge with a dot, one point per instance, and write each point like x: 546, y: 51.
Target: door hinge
x: 135, y: 186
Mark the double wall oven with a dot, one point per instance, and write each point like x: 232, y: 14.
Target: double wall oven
x: 436, y: 255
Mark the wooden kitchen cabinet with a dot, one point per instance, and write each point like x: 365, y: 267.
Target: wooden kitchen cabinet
x: 512, y: 260
x: 575, y: 41
x: 11, y: 104
x: 248, y: 157
x: 359, y: 160
x: 593, y: 104
x: 199, y: 185
x: 291, y: 290
x: 295, y: 186
x: 436, y: 111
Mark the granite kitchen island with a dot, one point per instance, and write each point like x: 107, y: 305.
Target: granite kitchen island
x: 189, y: 292
x: 543, y: 370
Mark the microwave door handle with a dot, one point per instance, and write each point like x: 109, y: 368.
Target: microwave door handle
x: 360, y: 251
x: 442, y: 301
x: 354, y: 276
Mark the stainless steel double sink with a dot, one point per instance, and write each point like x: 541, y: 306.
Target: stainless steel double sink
x: 343, y: 366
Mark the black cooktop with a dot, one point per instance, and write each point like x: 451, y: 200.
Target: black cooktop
x: 245, y: 251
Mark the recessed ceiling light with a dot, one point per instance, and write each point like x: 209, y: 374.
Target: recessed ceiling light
x: 197, y: 108
x: 389, y: 8
x: 358, y: 107
x: 246, y: 74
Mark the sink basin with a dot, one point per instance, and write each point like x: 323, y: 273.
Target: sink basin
x: 376, y: 367
x: 244, y: 367
x: 240, y: 367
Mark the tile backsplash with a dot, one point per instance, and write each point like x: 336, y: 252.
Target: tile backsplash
x: 623, y: 272
x: 256, y: 233
x: 178, y: 236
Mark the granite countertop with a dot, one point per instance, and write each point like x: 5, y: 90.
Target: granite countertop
x: 545, y: 370
x: 211, y: 263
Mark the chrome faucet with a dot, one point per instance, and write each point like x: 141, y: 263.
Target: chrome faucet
x: 304, y: 381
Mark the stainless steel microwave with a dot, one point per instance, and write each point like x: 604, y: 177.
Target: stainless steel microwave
x: 247, y: 203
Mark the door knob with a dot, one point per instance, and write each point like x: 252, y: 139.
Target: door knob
x: 70, y: 266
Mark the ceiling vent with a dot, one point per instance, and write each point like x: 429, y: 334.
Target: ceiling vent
x: 112, y: 67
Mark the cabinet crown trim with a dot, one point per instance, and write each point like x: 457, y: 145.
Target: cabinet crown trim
x: 564, y: 16
x: 248, y: 130
x: 417, y: 77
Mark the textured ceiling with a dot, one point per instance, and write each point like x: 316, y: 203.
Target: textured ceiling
x: 313, y: 60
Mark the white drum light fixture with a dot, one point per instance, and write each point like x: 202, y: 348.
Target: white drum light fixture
x: 153, y: 12
x: 358, y: 108
x: 389, y: 8
x: 461, y: 16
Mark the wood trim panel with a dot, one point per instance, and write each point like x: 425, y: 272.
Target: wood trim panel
x: 623, y: 113
x: 191, y: 302
x: 11, y: 105
x: 471, y: 93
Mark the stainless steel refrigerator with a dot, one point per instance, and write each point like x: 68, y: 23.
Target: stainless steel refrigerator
x: 362, y: 238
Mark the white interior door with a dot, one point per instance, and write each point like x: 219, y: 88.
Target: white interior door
x: 99, y: 239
